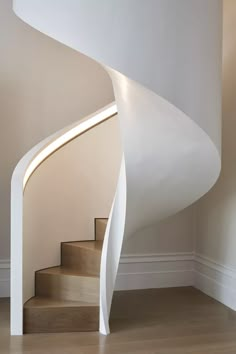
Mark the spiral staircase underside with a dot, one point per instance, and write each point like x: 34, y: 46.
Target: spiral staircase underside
x: 161, y: 64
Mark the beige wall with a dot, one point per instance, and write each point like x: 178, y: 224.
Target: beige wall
x: 44, y: 86
x: 173, y: 235
x: 216, y: 226
x: 64, y: 195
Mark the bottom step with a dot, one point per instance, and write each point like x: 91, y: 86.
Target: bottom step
x: 45, y: 315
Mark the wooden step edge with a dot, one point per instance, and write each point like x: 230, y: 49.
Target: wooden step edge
x: 63, y: 271
x: 48, y: 302
x: 85, y: 245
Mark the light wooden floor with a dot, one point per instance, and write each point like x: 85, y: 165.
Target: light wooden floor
x: 163, y: 321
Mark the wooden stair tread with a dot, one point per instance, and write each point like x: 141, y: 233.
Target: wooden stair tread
x: 82, y: 256
x: 60, y: 270
x: 91, y: 245
x: 46, y: 302
x: 103, y: 220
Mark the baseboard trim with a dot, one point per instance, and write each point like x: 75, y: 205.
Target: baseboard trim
x: 4, y: 278
x: 215, y: 280
x: 156, y: 257
x: 178, y: 269
x: 144, y: 271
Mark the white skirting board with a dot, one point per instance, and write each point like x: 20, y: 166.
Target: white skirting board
x: 215, y: 280
x: 155, y: 271
x: 4, y: 278
x: 164, y: 270
x: 180, y: 269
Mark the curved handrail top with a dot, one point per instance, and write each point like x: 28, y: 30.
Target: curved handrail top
x: 33, y: 158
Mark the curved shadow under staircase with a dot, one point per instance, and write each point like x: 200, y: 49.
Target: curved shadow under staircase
x: 164, y: 59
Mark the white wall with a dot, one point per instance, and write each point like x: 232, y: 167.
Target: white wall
x: 216, y: 222
x: 44, y: 86
x: 216, y: 212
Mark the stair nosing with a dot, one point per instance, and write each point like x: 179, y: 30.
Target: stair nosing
x: 73, y: 274
x: 71, y: 243
x: 64, y: 303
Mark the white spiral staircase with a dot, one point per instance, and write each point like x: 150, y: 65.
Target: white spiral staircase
x: 164, y: 59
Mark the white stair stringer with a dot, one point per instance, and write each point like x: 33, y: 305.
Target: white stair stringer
x: 111, y: 250
x: 176, y: 162
x: 164, y: 58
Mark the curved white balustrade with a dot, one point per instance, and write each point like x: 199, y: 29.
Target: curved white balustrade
x: 24, y: 169
x: 164, y: 58
x: 112, y: 249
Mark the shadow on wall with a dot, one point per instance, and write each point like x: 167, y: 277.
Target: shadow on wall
x: 44, y: 86
x: 172, y: 235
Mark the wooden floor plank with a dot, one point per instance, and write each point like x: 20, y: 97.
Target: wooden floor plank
x: 159, y: 321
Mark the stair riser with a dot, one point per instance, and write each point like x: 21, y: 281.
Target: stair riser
x: 100, y: 228
x: 67, y: 287
x: 81, y: 259
x: 56, y: 320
